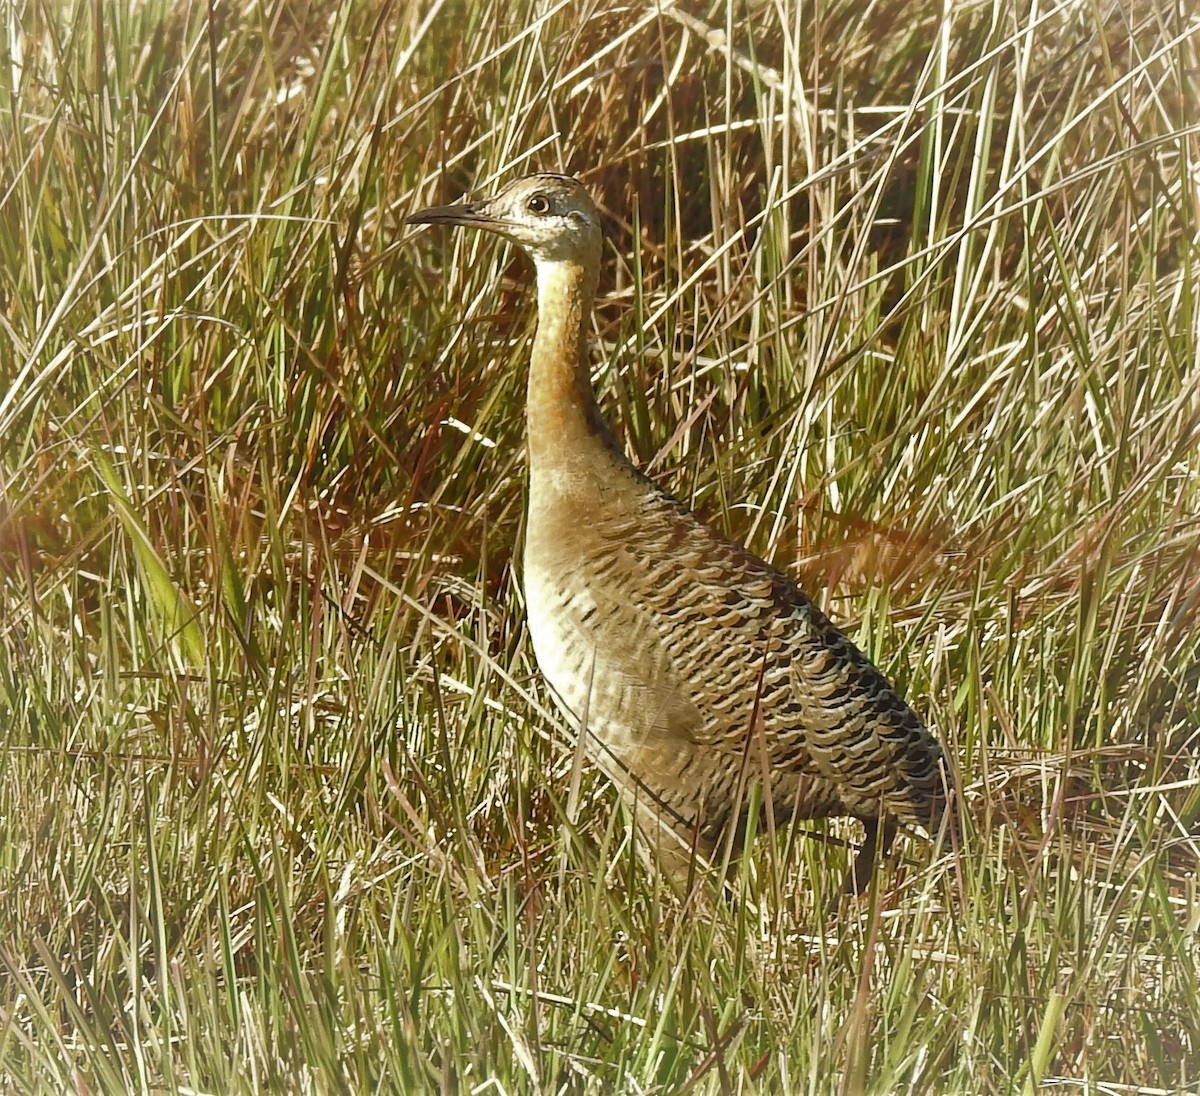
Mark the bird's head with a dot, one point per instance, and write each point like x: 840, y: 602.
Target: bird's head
x: 552, y: 218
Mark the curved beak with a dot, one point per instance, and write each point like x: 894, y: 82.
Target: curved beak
x: 465, y: 213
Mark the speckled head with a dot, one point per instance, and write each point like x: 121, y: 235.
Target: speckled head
x: 552, y: 218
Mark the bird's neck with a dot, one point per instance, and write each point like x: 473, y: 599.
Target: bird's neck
x: 566, y: 431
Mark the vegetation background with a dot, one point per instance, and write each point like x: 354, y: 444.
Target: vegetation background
x: 903, y: 294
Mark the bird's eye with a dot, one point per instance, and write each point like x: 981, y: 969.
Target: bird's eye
x: 538, y: 204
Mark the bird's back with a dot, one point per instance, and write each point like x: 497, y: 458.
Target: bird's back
x: 698, y: 668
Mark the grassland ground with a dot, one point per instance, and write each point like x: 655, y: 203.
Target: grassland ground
x: 904, y: 295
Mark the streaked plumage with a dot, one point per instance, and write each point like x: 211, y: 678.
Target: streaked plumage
x: 696, y: 668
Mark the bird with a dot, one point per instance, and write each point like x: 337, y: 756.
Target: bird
x: 692, y: 668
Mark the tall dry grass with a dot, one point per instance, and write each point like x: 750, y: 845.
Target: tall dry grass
x: 901, y: 294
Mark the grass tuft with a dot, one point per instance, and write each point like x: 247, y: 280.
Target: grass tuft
x: 903, y: 295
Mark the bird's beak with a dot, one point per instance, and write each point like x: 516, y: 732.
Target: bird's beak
x: 473, y: 214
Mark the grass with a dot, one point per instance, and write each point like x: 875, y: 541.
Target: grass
x: 903, y: 295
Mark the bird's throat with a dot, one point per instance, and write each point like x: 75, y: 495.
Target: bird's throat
x: 566, y: 432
